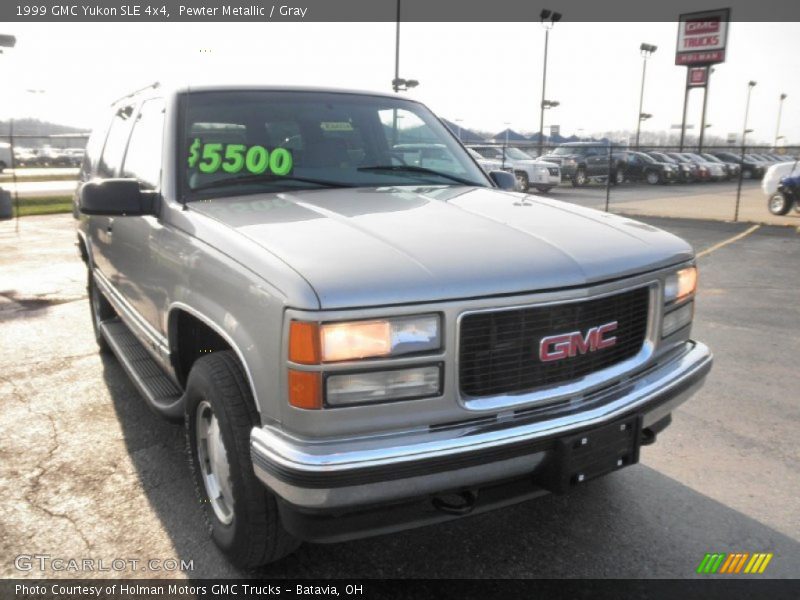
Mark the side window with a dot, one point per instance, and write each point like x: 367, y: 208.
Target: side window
x: 143, y: 158
x: 94, y: 146
x: 115, y: 143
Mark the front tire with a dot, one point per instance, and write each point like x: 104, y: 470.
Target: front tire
x: 101, y: 310
x: 523, y: 183
x: 241, y: 514
x: 779, y: 204
x: 653, y: 178
x: 579, y: 179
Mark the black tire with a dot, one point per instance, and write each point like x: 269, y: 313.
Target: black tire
x: 579, y: 179
x: 522, y: 181
x: 254, y: 535
x: 779, y: 204
x: 653, y: 177
x: 747, y: 173
x: 100, y: 310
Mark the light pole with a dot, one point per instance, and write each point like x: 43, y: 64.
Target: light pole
x: 546, y: 104
x: 750, y: 85
x: 458, y: 123
x: 548, y: 19
x: 646, y: 51
x: 399, y: 84
x: 745, y: 130
x: 778, y: 126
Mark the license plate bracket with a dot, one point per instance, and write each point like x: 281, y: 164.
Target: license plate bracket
x: 585, y: 456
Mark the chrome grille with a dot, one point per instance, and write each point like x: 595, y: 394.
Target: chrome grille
x: 499, y: 350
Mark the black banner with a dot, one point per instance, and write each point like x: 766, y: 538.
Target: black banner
x: 380, y: 10
x: 418, y: 589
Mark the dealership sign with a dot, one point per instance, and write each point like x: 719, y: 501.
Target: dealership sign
x: 697, y: 76
x: 702, y: 37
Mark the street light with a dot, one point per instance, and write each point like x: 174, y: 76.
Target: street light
x: 548, y: 19
x: 458, y: 124
x: 546, y: 104
x: 646, y: 51
x: 745, y: 130
x: 399, y: 84
x: 750, y: 85
x: 778, y: 126
x: 403, y: 85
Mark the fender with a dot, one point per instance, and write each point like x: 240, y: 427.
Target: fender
x: 219, y: 331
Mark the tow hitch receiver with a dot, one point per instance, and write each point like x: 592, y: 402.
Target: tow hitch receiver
x: 593, y: 453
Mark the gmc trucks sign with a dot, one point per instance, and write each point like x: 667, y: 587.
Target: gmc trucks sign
x: 702, y: 37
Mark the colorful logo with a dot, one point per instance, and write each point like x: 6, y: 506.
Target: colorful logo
x: 734, y: 563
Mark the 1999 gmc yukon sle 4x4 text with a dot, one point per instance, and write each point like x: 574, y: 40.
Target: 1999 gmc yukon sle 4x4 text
x: 357, y: 344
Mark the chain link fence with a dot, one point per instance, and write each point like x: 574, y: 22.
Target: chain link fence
x: 719, y: 182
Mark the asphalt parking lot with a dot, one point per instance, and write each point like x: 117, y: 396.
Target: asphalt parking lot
x: 711, y: 200
x: 87, y: 471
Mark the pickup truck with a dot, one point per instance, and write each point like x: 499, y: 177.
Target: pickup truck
x: 582, y: 161
x: 356, y: 344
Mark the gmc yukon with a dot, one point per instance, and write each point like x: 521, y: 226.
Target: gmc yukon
x: 357, y: 344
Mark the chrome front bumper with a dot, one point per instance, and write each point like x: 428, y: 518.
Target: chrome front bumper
x: 344, y: 474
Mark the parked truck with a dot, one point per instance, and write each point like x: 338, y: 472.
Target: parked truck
x: 357, y: 344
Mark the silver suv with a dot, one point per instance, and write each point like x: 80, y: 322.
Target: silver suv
x: 360, y: 335
x: 530, y: 172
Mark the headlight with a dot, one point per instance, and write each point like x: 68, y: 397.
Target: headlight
x: 680, y: 285
x: 677, y: 319
x: 382, y: 386
x: 312, y: 343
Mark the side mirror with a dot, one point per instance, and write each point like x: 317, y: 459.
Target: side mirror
x: 115, y: 198
x: 504, y: 180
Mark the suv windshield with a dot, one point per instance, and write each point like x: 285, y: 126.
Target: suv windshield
x: 661, y: 157
x: 517, y: 154
x: 644, y: 157
x: 567, y: 150
x: 276, y: 141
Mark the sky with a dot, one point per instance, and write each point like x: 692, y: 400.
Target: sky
x: 485, y: 74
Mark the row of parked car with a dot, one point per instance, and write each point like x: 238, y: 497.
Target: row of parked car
x: 582, y: 162
x: 48, y: 156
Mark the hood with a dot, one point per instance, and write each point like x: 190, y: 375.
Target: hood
x: 544, y: 163
x: 534, y: 162
x: 375, y: 246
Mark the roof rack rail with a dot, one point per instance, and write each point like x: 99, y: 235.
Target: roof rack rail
x: 153, y: 86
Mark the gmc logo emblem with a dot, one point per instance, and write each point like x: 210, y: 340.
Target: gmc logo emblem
x: 567, y: 345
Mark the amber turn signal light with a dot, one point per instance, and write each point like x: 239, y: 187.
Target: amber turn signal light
x: 304, y: 343
x: 305, y: 389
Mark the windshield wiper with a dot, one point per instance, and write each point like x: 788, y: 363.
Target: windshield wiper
x: 263, y: 178
x: 416, y: 169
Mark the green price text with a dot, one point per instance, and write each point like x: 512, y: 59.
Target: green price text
x: 235, y: 158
